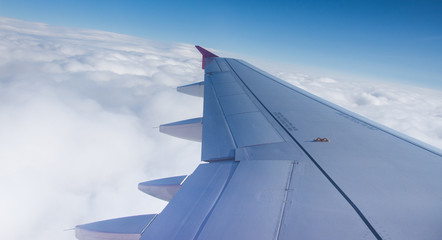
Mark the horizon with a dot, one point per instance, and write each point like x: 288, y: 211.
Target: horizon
x: 395, y: 41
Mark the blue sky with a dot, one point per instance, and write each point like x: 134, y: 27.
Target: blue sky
x: 387, y: 40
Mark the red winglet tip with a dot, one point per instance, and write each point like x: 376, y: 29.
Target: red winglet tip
x: 206, y: 54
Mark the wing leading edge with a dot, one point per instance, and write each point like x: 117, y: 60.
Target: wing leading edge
x: 264, y: 176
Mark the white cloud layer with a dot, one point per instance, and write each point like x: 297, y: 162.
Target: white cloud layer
x: 77, y: 111
x: 414, y: 111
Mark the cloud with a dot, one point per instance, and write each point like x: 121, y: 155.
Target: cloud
x: 414, y: 111
x: 77, y: 111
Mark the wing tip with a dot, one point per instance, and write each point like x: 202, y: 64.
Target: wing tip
x: 206, y: 54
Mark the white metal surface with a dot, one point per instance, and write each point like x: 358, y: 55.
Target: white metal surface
x: 225, y: 84
x: 252, y: 203
x: 217, y: 143
x: 238, y: 103
x: 187, y: 211
x: 127, y: 228
x: 250, y: 129
x: 190, y: 129
x: 194, y: 89
x: 211, y: 66
x: 164, y: 188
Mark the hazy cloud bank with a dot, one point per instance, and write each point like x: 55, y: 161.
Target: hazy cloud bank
x: 77, y: 111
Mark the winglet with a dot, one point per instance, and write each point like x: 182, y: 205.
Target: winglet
x: 206, y: 55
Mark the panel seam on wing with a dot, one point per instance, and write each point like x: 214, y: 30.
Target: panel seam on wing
x: 289, y: 181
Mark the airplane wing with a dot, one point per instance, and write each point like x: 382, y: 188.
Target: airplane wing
x: 281, y: 163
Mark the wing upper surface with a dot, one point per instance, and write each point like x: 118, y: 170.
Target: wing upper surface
x: 394, y: 182
x: 266, y: 178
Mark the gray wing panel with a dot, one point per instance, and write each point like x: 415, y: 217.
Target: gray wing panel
x: 394, y: 182
x: 252, y: 203
x: 252, y: 129
x: 231, y: 119
x: 186, y: 212
x: 212, y: 66
x: 217, y: 141
x: 282, y: 199
x: 315, y: 210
